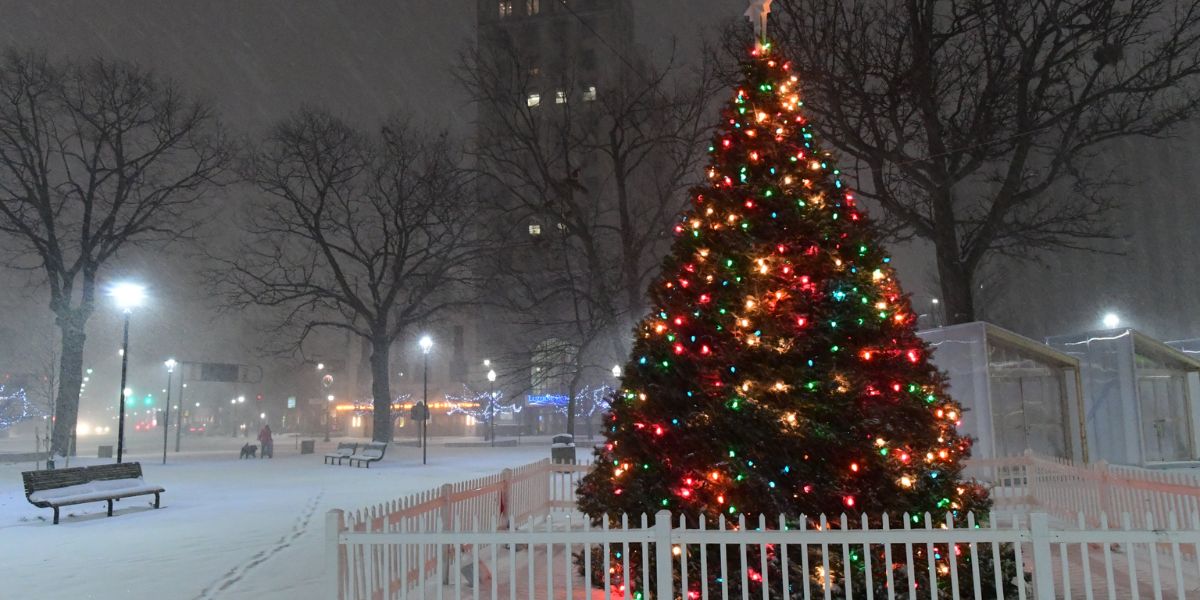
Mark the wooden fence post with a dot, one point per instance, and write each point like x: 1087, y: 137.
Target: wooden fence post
x: 505, y: 498
x: 1043, y: 562
x: 664, y: 584
x: 447, y: 511
x: 335, y: 523
x: 1104, y: 489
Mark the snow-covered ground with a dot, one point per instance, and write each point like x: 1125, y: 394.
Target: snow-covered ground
x: 228, y: 529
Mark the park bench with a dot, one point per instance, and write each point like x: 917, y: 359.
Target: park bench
x: 63, y: 487
x: 344, y: 450
x: 367, y: 454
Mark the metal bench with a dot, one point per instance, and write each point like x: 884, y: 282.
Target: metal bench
x: 344, y: 451
x: 102, y: 483
x: 367, y: 454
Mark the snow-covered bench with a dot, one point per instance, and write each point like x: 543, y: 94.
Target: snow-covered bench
x: 102, y: 483
x: 367, y: 454
x: 344, y: 450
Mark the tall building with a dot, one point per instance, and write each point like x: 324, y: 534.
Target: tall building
x: 550, y: 60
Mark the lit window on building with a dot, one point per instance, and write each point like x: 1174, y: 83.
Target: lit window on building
x: 533, y: 101
x: 533, y: 7
x: 506, y: 8
x: 589, y: 94
x: 535, y: 71
x: 535, y: 229
x: 560, y: 97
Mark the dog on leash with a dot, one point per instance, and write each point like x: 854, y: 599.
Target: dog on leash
x: 248, y: 451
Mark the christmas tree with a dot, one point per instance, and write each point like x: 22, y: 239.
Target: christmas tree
x: 779, y: 371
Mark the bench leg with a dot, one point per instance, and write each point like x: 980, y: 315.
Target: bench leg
x: 56, y: 515
x: 156, y: 500
x: 110, y: 508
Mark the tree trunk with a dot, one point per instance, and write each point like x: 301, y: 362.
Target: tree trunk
x: 956, y: 279
x: 381, y: 390
x: 70, y: 377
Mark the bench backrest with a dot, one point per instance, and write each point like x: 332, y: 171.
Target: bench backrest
x: 56, y: 478
x: 373, y: 449
x: 351, y: 446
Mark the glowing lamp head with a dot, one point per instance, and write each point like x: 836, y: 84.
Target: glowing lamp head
x: 128, y: 296
x: 170, y: 364
x: 616, y: 370
x: 426, y: 344
x: 491, y: 376
x: 1112, y: 321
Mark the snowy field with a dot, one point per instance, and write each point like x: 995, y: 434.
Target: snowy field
x: 228, y: 529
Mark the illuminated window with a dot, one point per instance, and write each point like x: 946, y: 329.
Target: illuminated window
x: 535, y: 71
x: 533, y: 101
x: 560, y: 97
x: 533, y: 7
x: 506, y: 8
x: 535, y: 229
x: 589, y: 94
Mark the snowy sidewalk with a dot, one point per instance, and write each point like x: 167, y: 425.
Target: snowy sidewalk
x: 228, y: 528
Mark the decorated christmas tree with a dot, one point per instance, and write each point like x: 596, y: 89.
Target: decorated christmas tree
x: 779, y: 371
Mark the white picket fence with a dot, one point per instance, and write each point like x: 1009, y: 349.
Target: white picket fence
x: 1064, y: 489
x: 450, y: 543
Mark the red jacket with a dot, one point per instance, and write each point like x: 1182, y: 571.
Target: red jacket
x: 264, y: 436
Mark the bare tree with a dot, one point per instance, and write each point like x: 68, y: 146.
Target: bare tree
x: 95, y: 158
x: 368, y: 234
x: 977, y: 125
x: 600, y: 172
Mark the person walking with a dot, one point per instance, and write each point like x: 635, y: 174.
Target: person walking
x: 268, y: 444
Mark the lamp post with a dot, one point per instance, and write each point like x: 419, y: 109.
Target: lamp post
x: 492, y: 405
x: 128, y: 296
x: 426, y: 345
x: 328, y: 416
x: 179, y: 414
x: 170, y: 364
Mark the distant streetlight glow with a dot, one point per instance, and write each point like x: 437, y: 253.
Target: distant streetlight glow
x: 491, y: 376
x: 616, y: 370
x: 1112, y: 321
x: 320, y: 366
x: 170, y: 364
x: 426, y: 344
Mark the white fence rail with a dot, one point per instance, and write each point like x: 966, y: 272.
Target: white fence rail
x: 555, y: 560
x: 509, y: 499
x: 1064, y: 489
x: 516, y: 535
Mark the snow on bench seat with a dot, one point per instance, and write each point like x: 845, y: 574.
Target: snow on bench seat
x: 54, y: 488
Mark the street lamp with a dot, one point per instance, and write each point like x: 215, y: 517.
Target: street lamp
x: 1111, y: 321
x: 127, y: 297
x: 492, y: 404
x: 170, y: 364
x: 616, y: 371
x: 426, y: 345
